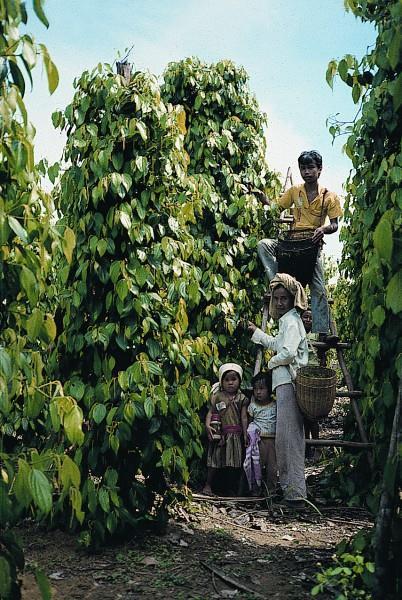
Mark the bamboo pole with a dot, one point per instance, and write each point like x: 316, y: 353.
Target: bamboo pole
x: 382, y: 536
x: 340, y: 443
x: 258, y: 360
x: 350, y: 386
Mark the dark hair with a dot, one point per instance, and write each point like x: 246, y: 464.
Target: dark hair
x: 265, y: 376
x: 310, y: 156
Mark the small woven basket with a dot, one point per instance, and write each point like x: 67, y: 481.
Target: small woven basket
x: 315, y: 391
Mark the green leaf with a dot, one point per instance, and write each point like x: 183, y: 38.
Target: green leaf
x: 17, y: 228
x: 393, y: 296
x: 141, y: 275
x: 29, y: 55
x: 73, y: 425
x: 149, y: 407
x: 21, y: 484
x: 51, y: 70
x: 142, y: 130
x: 28, y: 282
x: 356, y: 91
x: 5, y: 578
x: 43, y: 584
x: 397, y: 92
x: 5, y: 363
x: 70, y: 473
x: 41, y: 490
x: 383, y: 239
x: 331, y: 72
x: 38, y: 8
x: 5, y: 404
x: 103, y: 498
x: 17, y: 76
x: 394, y: 49
x: 34, y: 324
x: 49, y: 327
x: 77, y: 388
x: 98, y: 413
x: 378, y: 316
x: 68, y: 244
x: 125, y: 220
x: 121, y: 288
x: 101, y: 247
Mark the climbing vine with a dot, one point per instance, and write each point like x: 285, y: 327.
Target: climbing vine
x: 30, y: 404
x: 372, y: 254
x: 160, y: 274
x: 226, y: 149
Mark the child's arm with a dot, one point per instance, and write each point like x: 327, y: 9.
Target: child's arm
x: 208, y: 423
x: 259, y: 337
x: 288, y: 350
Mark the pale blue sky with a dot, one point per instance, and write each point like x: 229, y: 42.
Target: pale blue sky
x: 285, y: 46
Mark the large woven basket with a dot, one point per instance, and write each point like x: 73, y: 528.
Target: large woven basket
x: 315, y: 391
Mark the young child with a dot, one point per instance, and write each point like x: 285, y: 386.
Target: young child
x: 262, y: 413
x: 291, y: 353
x: 228, y: 402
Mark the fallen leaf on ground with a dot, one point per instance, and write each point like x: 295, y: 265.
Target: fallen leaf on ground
x: 229, y: 593
x: 149, y: 561
x: 288, y: 538
x: 56, y: 576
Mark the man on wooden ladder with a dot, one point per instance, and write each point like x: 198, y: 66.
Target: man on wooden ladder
x: 311, y: 204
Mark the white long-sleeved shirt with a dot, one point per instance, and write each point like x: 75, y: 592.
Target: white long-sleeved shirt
x: 290, y: 347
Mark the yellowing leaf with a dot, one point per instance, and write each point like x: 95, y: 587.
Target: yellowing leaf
x: 49, y: 326
x: 73, y: 425
x: 70, y: 473
x: 181, y: 121
x: 34, y: 324
x: 68, y: 244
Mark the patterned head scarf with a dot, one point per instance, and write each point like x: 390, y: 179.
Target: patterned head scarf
x: 293, y: 287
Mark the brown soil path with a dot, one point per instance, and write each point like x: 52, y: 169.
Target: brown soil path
x: 271, y: 550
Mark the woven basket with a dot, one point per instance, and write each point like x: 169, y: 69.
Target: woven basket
x: 315, y: 391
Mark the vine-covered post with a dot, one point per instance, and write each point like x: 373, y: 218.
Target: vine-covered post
x: 387, y: 505
x: 372, y: 261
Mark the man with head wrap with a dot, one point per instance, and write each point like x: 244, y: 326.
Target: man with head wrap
x: 291, y: 353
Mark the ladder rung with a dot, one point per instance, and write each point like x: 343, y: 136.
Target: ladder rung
x: 335, y: 443
x: 325, y: 346
x: 349, y: 394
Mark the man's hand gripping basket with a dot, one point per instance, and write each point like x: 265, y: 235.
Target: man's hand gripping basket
x: 315, y: 391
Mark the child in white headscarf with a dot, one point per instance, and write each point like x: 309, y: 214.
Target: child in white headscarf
x: 229, y: 406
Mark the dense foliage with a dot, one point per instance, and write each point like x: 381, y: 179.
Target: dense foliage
x: 148, y: 280
x: 32, y: 466
x: 372, y: 254
x: 225, y: 142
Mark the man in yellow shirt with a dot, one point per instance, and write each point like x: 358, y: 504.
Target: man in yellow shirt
x: 311, y: 205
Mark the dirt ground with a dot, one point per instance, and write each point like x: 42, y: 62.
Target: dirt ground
x: 213, y: 548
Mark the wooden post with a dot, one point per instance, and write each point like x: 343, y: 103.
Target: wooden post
x: 384, y: 517
x: 124, y: 69
x: 349, y: 385
x: 258, y: 361
x: 336, y: 443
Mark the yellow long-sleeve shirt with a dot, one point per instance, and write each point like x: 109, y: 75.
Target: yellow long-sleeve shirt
x: 307, y: 214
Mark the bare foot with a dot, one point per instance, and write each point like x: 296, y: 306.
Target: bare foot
x: 206, y: 490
